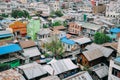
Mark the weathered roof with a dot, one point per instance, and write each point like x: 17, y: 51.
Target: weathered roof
x: 33, y: 70
x: 101, y: 70
x: 11, y: 75
x: 51, y: 78
x: 10, y: 48
x: 31, y: 52
x: 93, y: 54
x: 82, y: 40
x: 84, y: 75
x: 105, y: 51
x: 26, y: 44
x: 114, y: 45
x: 44, y: 31
x: 60, y: 66
x: 90, y: 26
x: 59, y: 27
x: 63, y: 66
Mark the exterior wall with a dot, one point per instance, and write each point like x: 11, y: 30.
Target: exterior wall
x: 69, y: 47
x: 5, y: 8
x: 84, y: 61
x: 55, y: 5
x: 118, y: 48
x: 113, y: 65
x: 74, y: 28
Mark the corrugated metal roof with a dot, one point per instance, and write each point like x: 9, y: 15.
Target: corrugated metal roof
x: 105, y: 51
x: 51, y: 78
x: 31, y: 52
x: 10, y: 48
x: 101, y: 70
x: 67, y: 41
x: 93, y: 54
x: 33, y: 70
x: 44, y: 31
x: 84, y: 75
x: 82, y: 40
x: 62, y: 66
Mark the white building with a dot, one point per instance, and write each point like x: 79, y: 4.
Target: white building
x: 118, y: 47
x: 103, y: 1
x: 113, y: 10
x: 43, y: 7
x: 55, y: 5
x: 5, y: 7
x: 114, y: 69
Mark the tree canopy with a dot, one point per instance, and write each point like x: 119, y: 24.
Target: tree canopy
x: 20, y: 14
x: 59, y: 13
x: 100, y: 38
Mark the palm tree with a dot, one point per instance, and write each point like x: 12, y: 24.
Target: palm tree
x: 56, y: 47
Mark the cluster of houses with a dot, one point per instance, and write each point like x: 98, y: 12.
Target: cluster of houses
x: 23, y: 51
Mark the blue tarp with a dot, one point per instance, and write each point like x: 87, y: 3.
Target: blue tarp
x: 67, y: 41
x: 5, y: 35
x: 115, y: 30
x: 10, y: 48
x: 117, y: 59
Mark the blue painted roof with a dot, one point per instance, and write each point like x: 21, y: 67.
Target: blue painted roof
x: 115, y: 30
x: 5, y: 35
x: 117, y: 59
x: 10, y: 48
x: 67, y: 41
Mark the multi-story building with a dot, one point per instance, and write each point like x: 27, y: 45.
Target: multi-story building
x: 43, y: 7
x: 55, y: 5
x: 5, y: 8
x: 113, y: 10
x: 103, y: 1
x: 114, y: 69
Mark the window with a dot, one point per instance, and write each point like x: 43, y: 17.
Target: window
x: 116, y: 72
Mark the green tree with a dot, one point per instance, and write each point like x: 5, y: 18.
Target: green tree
x: 56, y: 47
x: 100, y: 38
x: 57, y: 23
x: 26, y: 14
x: 4, y: 15
x: 20, y: 14
x: 59, y: 13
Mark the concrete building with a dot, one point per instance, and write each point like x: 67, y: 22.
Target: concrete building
x: 118, y: 47
x: 55, y: 5
x: 40, y: 6
x: 5, y: 8
x: 114, y: 69
x: 113, y: 10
